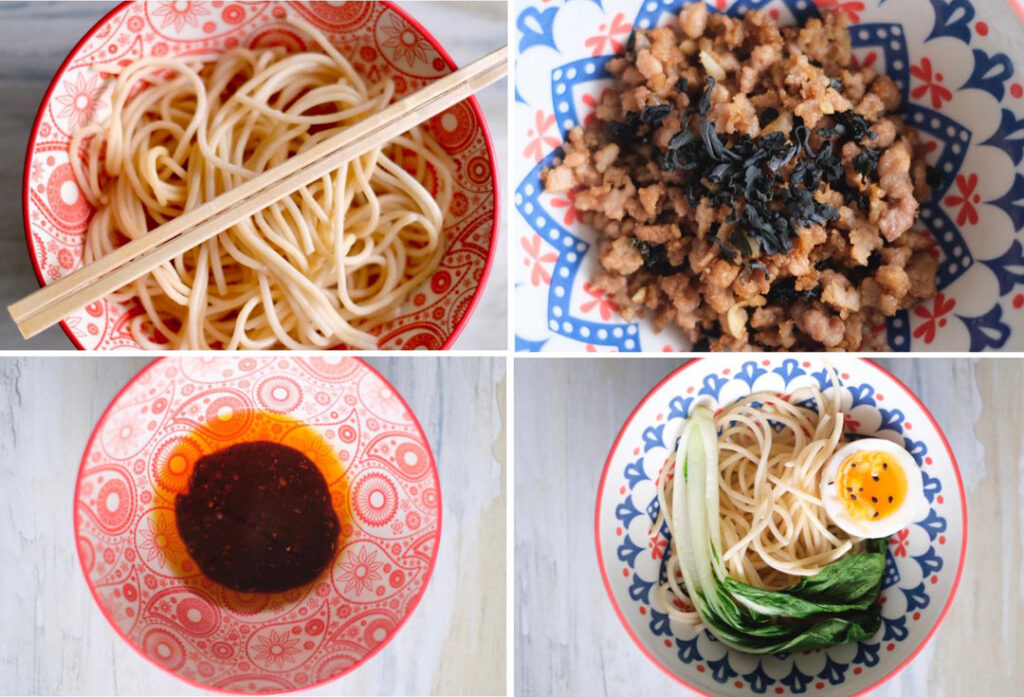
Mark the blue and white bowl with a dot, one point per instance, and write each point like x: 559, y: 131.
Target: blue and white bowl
x: 958, y: 64
x: 923, y: 562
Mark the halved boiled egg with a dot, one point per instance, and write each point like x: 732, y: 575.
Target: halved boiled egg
x: 872, y: 488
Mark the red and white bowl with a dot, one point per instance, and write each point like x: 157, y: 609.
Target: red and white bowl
x: 379, y: 38
x: 154, y: 596
x: 923, y: 562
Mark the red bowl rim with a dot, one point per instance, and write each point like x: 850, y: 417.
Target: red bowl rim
x: 887, y: 676
x: 390, y: 4
x: 413, y: 604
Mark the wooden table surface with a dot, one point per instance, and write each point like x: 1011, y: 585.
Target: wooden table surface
x: 35, y: 37
x: 53, y: 638
x: 568, y: 639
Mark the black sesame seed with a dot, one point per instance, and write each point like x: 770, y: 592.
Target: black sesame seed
x: 875, y: 515
x: 890, y: 499
x: 853, y: 497
x: 874, y: 499
x: 885, y: 465
x: 874, y: 477
x: 849, y: 488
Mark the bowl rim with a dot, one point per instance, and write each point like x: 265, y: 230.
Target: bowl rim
x: 413, y: 603
x: 607, y: 584
x: 389, y: 4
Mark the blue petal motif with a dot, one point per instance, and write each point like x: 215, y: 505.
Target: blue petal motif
x: 917, y: 597
x: 917, y: 448
x: 634, y: 473
x: 626, y: 511
x: 990, y: 73
x: 952, y: 18
x: 750, y: 372
x: 932, y: 486
x: 527, y: 345
x: 930, y: 562
x: 892, y: 420
x: 537, y: 27
x: 640, y: 590
x: 1010, y: 202
x: 789, y: 370
x: 824, y: 379
x: 759, y: 680
x: 862, y: 394
x: 934, y: 524
x: 833, y: 672
x: 712, y: 385
x: 679, y: 407
x: 659, y: 623
x: 1009, y: 268
x: 891, y: 576
x: 721, y: 671
x: 988, y: 330
x: 688, y: 652
x: 653, y: 437
x: 895, y: 629
x: 867, y: 654
x: 1009, y: 126
x: 796, y: 681
x: 627, y: 551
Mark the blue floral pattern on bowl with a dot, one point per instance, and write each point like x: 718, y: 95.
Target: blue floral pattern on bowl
x: 923, y: 562
x: 959, y: 91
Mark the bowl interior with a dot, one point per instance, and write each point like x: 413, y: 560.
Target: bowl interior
x: 954, y: 64
x: 381, y: 41
x: 386, y: 494
x: 923, y: 562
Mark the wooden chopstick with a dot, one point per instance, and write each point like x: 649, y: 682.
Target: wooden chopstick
x: 50, y: 304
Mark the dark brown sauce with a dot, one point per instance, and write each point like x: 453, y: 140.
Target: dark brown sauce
x: 258, y: 517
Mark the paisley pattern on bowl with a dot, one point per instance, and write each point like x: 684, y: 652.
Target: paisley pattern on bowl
x: 150, y: 590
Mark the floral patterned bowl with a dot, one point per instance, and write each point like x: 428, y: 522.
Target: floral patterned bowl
x: 385, y: 490
x: 923, y: 562
x: 957, y: 65
x: 381, y: 40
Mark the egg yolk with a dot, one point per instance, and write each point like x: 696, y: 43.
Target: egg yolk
x: 871, y: 485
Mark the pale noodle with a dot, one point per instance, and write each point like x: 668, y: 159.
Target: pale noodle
x: 774, y: 528
x: 323, y: 266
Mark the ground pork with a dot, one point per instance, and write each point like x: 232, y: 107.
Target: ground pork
x: 751, y: 187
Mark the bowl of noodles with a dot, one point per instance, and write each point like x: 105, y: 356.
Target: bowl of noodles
x: 725, y: 554
x: 162, y: 106
x: 150, y: 573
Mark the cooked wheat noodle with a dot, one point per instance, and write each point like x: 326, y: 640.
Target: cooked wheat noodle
x: 773, y: 523
x: 322, y: 267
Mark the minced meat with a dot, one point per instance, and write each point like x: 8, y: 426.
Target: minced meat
x: 751, y: 187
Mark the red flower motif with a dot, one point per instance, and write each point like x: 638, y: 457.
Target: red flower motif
x: 591, y: 104
x: 600, y: 301
x: 535, y: 148
x: 538, y: 274
x: 618, y: 27
x: 593, y: 349
x: 965, y: 200
x: 932, y: 82
x: 869, y: 60
x: 658, y: 547
x: 851, y: 425
x: 940, y: 307
x: 899, y: 543
x: 851, y: 8
x: 568, y: 203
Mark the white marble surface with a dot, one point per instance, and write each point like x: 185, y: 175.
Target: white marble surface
x: 53, y: 638
x: 568, y: 639
x: 35, y: 37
